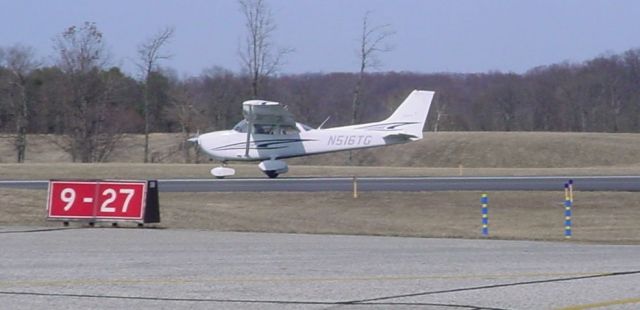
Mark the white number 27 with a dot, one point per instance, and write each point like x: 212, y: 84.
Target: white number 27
x: 112, y: 195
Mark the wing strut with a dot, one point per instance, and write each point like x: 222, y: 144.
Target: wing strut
x: 249, y: 129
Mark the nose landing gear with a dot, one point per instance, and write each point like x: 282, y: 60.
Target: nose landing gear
x: 223, y: 171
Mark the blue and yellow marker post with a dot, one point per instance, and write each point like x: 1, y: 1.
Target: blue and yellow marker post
x: 484, y: 200
x: 571, y: 191
x: 568, y: 202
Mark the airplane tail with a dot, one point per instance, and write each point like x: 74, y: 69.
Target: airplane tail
x: 412, y: 113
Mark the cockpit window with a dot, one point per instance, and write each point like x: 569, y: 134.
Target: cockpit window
x: 241, y: 126
x: 267, y: 129
x: 305, y: 127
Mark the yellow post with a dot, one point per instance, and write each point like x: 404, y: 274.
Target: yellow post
x: 571, y: 190
x: 460, y: 169
x: 355, y: 187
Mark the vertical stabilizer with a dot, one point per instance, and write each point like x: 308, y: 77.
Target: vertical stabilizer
x: 411, y: 115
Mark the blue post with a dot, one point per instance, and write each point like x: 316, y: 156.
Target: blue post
x: 567, y: 209
x: 484, y: 200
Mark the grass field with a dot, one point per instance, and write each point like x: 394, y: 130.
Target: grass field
x: 436, y: 150
x: 598, y: 216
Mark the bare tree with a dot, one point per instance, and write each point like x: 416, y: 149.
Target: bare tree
x: 184, y: 112
x: 89, y: 134
x: 19, y: 60
x: 150, y: 55
x: 441, y: 110
x: 81, y: 49
x: 259, y: 57
x: 219, y: 92
x: 371, y: 44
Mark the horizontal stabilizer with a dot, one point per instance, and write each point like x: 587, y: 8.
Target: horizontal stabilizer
x: 399, y: 138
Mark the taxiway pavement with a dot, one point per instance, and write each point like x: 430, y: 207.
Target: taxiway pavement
x: 116, y: 268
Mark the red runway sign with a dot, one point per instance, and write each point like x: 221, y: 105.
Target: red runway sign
x: 99, y: 200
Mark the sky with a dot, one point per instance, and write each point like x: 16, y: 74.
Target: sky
x: 430, y: 36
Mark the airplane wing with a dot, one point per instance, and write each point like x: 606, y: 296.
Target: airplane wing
x: 267, y: 113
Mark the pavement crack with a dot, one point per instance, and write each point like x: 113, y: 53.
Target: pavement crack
x: 34, y: 230
x: 246, y: 301
x: 600, y: 275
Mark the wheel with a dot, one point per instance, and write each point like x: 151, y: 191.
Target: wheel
x: 271, y: 174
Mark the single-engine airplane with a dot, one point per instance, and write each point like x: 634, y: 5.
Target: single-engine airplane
x: 268, y: 133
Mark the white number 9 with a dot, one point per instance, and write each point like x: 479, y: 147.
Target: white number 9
x: 68, y: 196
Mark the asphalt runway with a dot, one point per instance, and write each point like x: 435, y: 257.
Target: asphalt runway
x: 521, y: 183
x: 128, y: 268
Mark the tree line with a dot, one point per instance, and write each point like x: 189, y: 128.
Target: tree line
x: 90, y: 105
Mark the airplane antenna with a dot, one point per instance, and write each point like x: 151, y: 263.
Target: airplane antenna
x: 325, y: 121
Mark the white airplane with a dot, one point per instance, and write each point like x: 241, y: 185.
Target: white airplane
x: 268, y: 133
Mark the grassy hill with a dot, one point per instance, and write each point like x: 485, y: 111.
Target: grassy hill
x: 441, y: 149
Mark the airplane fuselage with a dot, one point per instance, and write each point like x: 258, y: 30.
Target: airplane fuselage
x: 231, y: 145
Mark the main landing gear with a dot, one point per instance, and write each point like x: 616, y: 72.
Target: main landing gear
x: 273, y: 167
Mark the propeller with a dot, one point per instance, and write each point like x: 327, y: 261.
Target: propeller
x: 195, y: 139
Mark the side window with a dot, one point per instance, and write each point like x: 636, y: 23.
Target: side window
x: 288, y: 130
x: 264, y: 129
x: 261, y: 129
